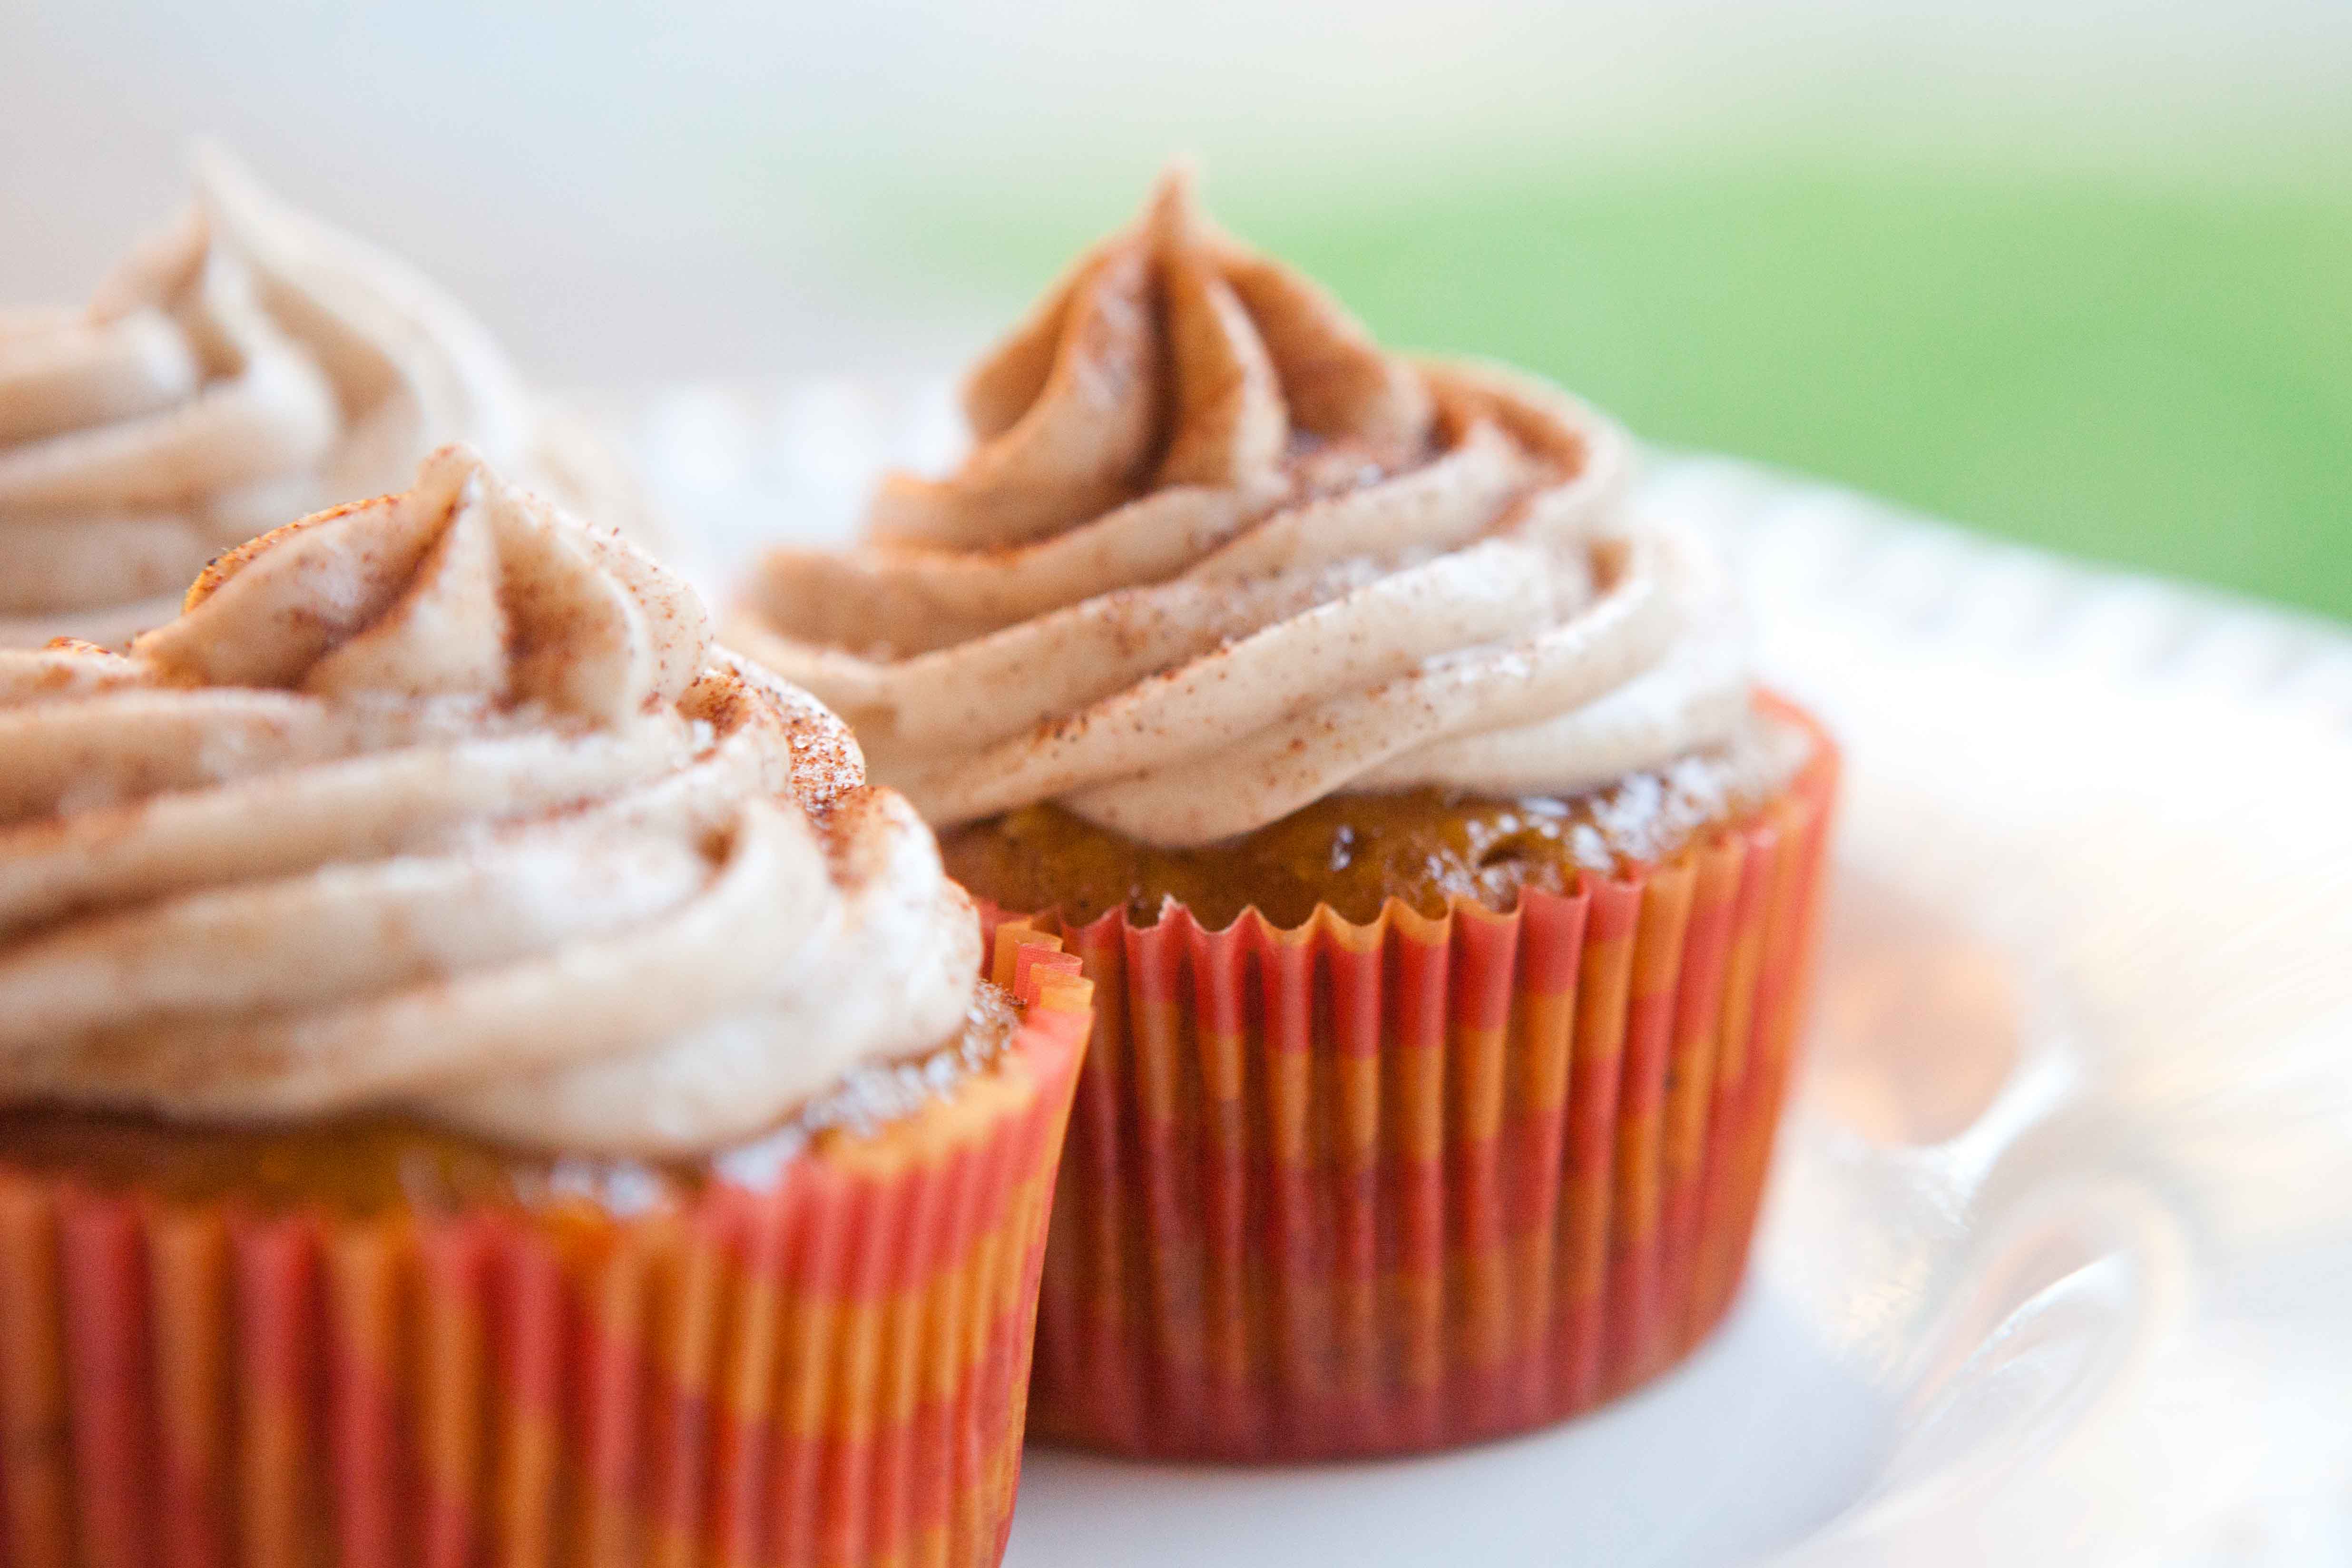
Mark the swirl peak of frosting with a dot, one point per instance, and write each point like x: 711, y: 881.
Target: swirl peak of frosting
x: 1214, y: 554
x: 1169, y: 357
x: 246, y: 366
x: 445, y: 804
x: 462, y: 586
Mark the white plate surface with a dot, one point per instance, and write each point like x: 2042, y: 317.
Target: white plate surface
x: 2057, y: 1265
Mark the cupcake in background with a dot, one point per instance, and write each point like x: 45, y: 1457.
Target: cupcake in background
x: 246, y: 365
x: 1447, y: 882
x: 484, y: 1077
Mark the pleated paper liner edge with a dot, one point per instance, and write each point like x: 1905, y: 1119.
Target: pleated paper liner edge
x: 1357, y: 1190
x: 830, y: 1372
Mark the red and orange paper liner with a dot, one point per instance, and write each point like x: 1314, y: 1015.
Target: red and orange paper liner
x: 831, y: 1371
x: 1350, y: 1190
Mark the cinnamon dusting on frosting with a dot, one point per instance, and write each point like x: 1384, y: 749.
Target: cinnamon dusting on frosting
x: 1215, y: 555
x: 442, y: 803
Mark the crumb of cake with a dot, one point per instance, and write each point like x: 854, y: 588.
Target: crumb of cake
x: 1355, y: 852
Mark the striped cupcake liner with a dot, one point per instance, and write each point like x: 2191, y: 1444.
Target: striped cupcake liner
x: 830, y: 1372
x: 1351, y: 1190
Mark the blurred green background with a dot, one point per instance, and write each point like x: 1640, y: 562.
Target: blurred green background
x: 2157, y: 378
x: 2073, y: 271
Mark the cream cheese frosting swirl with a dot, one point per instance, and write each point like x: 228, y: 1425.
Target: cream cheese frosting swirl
x: 248, y: 366
x: 442, y: 803
x: 1215, y: 555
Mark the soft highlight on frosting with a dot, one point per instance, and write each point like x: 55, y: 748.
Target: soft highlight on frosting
x: 442, y: 803
x: 1216, y: 556
x: 248, y: 365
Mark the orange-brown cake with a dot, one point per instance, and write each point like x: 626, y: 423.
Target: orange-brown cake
x: 1423, y: 847
x: 363, y: 1166
x: 1403, y: 780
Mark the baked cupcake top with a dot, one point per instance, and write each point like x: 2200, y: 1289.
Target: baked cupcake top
x: 1216, y: 556
x: 443, y: 803
x: 248, y: 366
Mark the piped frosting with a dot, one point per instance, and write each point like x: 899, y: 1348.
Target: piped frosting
x: 1215, y: 555
x: 443, y: 803
x: 248, y: 365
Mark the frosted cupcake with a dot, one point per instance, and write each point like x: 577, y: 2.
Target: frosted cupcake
x: 1447, y: 882
x: 483, y: 1078
x: 248, y: 365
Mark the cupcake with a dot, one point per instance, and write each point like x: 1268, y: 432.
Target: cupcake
x: 248, y: 365
x: 484, y: 1078
x: 1447, y: 883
